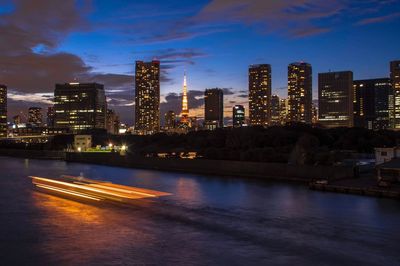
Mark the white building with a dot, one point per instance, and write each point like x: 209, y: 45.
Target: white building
x: 82, y: 142
x: 383, y: 155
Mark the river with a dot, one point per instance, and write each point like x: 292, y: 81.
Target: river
x: 206, y: 221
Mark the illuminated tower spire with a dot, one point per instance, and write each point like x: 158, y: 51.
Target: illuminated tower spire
x: 185, y: 108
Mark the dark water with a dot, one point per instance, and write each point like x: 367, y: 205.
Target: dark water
x: 207, y: 221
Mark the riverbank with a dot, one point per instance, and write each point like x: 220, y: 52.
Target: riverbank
x: 34, y: 154
x: 274, y: 171
x: 364, y: 185
x: 341, y: 178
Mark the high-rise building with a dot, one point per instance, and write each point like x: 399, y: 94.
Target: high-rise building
x: 3, y: 111
x: 315, y: 112
x: 395, y: 103
x: 239, y: 118
x: 17, y: 120
x: 335, y: 91
x: 35, y: 116
x: 371, y: 103
x: 185, y: 106
x: 80, y: 106
x: 169, y: 120
x: 260, y: 94
x: 112, y: 122
x: 275, y: 110
x: 284, y: 110
x: 147, y: 97
x: 51, y: 113
x: 214, y: 108
x: 300, y: 92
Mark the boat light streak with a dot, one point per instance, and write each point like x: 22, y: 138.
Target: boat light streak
x: 122, y: 190
x: 67, y: 192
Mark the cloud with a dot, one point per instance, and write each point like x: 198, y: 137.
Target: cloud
x: 379, y: 19
x: 31, y: 31
x: 295, y: 18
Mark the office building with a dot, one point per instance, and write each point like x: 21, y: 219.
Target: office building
x: 3, y: 111
x: 214, y: 108
x: 51, y: 113
x: 112, y: 122
x: 284, y: 110
x: 80, y: 106
x: 395, y: 103
x: 147, y: 97
x: 335, y: 91
x: 17, y: 120
x: 260, y: 94
x: 300, y: 92
x: 35, y: 116
x: 239, y: 118
x: 371, y: 103
x: 169, y: 120
x: 275, y: 110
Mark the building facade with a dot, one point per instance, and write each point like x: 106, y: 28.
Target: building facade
x: 147, y: 97
x: 260, y: 95
x: 112, y: 122
x: 275, y: 110
x: 35, y: 116
x: 238, y: 117
x: 51, y: 113
x: 3, y: 111
x: 335, y: 105
x: 169, y: 120
x: 214, y: 108
x: 395, y: 79
x: 300, y: 92
x: 80, y: 106
x: 372, y: 103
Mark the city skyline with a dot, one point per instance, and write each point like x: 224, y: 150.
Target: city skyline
x: 215, y: 54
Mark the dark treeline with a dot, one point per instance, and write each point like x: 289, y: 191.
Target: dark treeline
x: 296, y: 144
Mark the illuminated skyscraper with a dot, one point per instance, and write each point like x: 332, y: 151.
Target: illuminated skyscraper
x: 335, y: 91
x: 283, y: 111
x: 395, y: 104
x: 147, y: 97
x: 238, y: 118
x: 275, y: 110
x: 185, y: 107
x: 169, y: 120
x: 300, y: 92
x: 35, y: 116
x: 80, y: 106
x: 371, y: 103
x: 214, y: 108
x: 260, y: 94
x: 3, y: 111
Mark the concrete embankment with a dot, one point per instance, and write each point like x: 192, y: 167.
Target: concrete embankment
x: 34, y: 154
x: 366, y: 191
x: 217, y: 167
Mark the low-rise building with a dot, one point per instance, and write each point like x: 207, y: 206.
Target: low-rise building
x: 383, y: 155
x: 82, y: 142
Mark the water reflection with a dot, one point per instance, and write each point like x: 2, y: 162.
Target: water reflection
x: 208, y: 221
x: 88, y: 232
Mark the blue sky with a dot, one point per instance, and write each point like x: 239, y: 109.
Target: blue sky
x: 215, y: 41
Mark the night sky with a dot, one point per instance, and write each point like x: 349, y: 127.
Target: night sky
x: 44, y: 42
